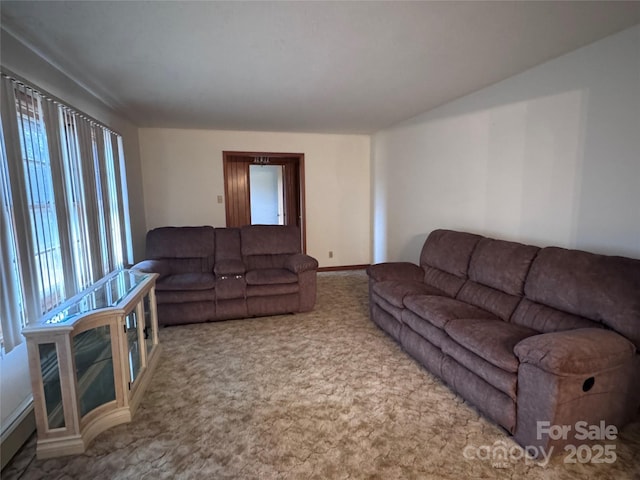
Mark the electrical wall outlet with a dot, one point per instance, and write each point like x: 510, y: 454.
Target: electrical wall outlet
x: 219, y: 198
x: 330, y: 254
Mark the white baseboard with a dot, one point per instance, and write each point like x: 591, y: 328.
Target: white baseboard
x: 17, y: 430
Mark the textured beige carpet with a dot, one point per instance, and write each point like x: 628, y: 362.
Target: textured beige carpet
x: 320, y: 395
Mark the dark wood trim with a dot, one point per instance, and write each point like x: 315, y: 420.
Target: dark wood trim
x: 344, y: 268
x: 236, y: 185
x: 303, y: 208
x: 262, y: 154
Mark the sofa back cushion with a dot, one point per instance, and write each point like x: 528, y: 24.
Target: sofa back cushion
x: 188, y: 249
x: 548, y: 320
x: 269, y: 246
x: 445, y: 259
x: 228, y: 244
x: 604, y: 289
x: 270, y: 239
x: 499, y: 303
x: 180, y: 242
x: 502, y: 265
x: 497, y: 272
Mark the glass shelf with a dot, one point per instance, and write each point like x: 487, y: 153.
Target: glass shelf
x: 106, y: 293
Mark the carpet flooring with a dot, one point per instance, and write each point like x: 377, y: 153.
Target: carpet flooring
x: 320, y: 395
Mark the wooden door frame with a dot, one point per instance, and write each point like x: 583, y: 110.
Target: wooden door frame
x: 278, y: 158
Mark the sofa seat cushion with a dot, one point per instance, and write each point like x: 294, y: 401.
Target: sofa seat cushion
x: 441, y: 310
x: 394, y: 291
x: 187, y: 281
x: 403, y: 271
x: 270, y: 276
x: 424, y: 328
x: 504, y: 381
x: 272, y: 289
x: 492, y: 340
x: 185, y: 296
x: 392, y: 310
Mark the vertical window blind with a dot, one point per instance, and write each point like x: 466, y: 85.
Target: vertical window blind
x: 64, y: 218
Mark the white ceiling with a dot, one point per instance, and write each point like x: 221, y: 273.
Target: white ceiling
x: 342, y: 67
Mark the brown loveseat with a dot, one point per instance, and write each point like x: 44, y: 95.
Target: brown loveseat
x: 526, y: 334
x: 223, y: 273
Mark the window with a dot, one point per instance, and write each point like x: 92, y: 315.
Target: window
x: 64, y: 223
x: 76, y: 200
x: 10, y: 291
x: 47, y: 251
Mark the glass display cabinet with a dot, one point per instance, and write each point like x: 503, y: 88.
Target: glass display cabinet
x: 91, y: 360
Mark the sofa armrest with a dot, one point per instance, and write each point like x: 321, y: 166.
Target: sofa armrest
x: 395, y: 271
x: 575, y: 352
x: 229, y: 267
x: 301, y: 263
x: 161, y: 267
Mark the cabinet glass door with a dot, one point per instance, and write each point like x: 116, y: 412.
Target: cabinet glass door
x: 133, y: 344
x: 50, y: 370
x: 149, y: 327
x: 94, y: 368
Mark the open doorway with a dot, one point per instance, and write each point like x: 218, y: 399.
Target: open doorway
x: 265, y: 188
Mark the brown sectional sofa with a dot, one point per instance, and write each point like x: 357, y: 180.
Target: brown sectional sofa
x: 211, y: 273
x: 526, y: 334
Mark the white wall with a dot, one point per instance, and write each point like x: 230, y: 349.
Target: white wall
x: 183, y: 175
x: 15, y: 387
x: 549, y: 157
